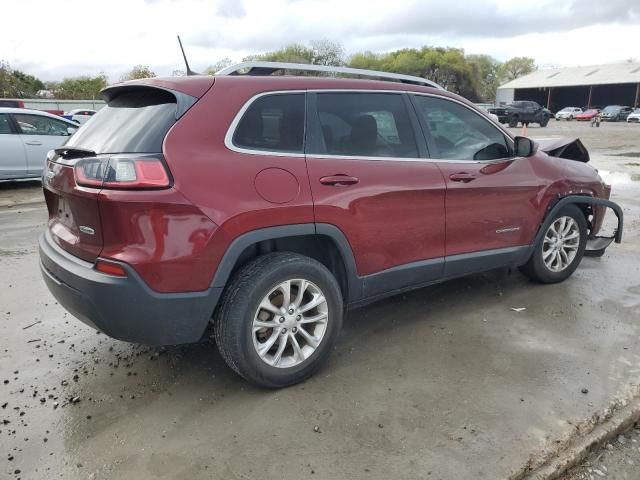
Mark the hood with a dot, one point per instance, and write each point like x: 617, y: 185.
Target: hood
x: 569, y: 148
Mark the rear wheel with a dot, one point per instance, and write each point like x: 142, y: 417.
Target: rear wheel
x: 560, y: 249
x: 279, y: 319
x: 544, y: 121
x: 513, y: 121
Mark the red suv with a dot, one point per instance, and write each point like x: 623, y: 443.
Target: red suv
x: 268, y: 205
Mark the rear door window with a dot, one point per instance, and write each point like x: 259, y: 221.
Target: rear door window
x: 134, y: 121
x: 365, y: 125
x: 273, y: 123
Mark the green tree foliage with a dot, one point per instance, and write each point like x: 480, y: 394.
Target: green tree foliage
x: 219, y: 65
x: 516, y: 67
x: 445, y: 66
x: 14, y: 83
x: 80, y: 88
x: 320, y: 52
x: 139, y: 71
x: 485, y: 76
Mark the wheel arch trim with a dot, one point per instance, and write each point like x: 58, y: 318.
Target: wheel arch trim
x: 581, y: 199
x: 247, y: 239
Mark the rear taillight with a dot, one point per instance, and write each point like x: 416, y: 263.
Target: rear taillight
x: 122, y: 173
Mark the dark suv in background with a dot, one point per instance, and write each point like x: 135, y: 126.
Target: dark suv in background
x: 265, y: 206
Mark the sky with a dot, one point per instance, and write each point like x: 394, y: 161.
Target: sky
x: 57, y: 39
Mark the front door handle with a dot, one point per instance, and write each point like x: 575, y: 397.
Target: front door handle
x: 33, y: 142
x: 339, y: 180
x: 462, y: 177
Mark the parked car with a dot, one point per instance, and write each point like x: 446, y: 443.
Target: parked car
x: 79, y: 115
x: 587, y: 115
x: 25, y: 138
x: 568, y: 113
x: 615, y: 113
x: 634, y: 117
x: 522, y: 111
x: 266, y: 206
x: 11, y: 103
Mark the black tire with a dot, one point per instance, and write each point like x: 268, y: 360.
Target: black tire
x: 513, y: 121
x: 537, y: 270
x: 570, y: 118
x: 544, y: 121
x: 233, y: 320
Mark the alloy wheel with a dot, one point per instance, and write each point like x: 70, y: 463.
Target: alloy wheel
x: 561, y: 243
x: 290, y: 323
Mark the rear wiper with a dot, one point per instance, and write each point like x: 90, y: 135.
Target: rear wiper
x: 74, y: 152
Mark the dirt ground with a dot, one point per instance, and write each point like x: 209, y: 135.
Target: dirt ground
x: 446, y: 382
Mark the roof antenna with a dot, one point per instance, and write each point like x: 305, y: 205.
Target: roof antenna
x: 189, y: 71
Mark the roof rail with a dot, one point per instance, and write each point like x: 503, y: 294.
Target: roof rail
x: 268, y: 68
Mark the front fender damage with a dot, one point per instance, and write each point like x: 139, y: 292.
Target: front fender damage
x: 569, y: 148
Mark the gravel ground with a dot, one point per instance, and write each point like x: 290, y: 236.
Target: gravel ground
x: 618, y: 460
x: 446, y: 382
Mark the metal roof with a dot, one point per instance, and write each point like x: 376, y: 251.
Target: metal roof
x: 577, y: 76
x: 268, y: 68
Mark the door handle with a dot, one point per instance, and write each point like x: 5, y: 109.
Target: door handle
x: 33, y: 143
x: 339, y: 180
x: 462, y: 177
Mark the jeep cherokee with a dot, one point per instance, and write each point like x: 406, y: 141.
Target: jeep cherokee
x: 268, y: 205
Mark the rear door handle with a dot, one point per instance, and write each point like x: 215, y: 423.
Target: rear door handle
x: 33, y: 143
x: 462, y: 177
x: 339, y: 180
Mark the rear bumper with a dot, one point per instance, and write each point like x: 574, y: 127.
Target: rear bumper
x: 124, y: 308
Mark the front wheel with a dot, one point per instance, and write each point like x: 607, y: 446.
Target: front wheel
x: 279, y: 319
x: 561, y: 248
x: 544, y: 121
x: 513, y: 122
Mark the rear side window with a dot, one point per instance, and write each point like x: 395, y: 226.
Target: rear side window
x: 273, y: 123
x: 135, y: 121
x: 365, y: 125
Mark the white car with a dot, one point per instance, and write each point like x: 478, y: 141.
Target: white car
x: 568, y: 113
x: 79, y: 115
x: 634, y: 117
x: 25, y: 138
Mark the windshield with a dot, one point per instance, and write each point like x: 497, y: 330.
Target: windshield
x: 610, y: 109
x: 566, y: 109
x: 132, y: 122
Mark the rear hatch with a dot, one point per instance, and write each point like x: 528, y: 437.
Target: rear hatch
x: 120, y: 147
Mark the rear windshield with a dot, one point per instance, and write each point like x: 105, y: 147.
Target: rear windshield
x: 132, y: 122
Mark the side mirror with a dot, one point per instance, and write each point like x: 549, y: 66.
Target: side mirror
x: 524, y: 147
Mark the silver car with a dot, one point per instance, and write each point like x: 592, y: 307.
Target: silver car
x: 25, y: 138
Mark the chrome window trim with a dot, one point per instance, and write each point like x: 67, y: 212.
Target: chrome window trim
x: 228, y: 138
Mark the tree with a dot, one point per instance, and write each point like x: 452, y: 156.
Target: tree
x: 319, y: 52
x: 139, y: 71
x: 516, y: 67
x: 445, y: 66
x: 485, y: 76
x: 219, y: 65
x: 14, y: 83
x: 80, y: 88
